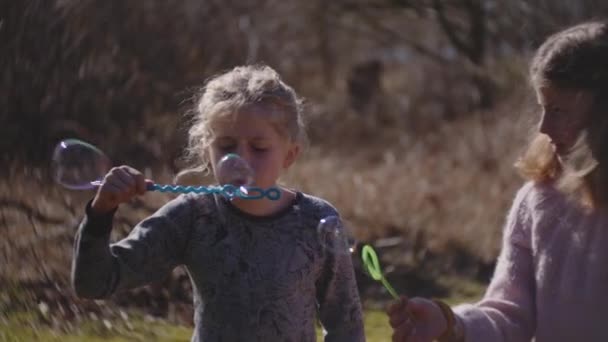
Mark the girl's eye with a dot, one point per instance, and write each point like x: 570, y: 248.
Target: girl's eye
x: 555, y: 110
x: 260, y: 149
x: 226, y: 147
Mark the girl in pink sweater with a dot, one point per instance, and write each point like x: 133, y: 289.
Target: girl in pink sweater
x: 551, y: 278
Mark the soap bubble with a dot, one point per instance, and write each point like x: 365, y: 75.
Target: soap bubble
x: 78, y: 165
x: 335, y: 235
x: 234, y: 170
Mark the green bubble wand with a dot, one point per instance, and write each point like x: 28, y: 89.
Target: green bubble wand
x: 372, y: 266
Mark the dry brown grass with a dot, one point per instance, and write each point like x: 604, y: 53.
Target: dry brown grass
x: 452, y: 185
x: 444, y: 192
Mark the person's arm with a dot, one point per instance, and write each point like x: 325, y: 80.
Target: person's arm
x: 338, y: 298
x: 152, y: 249
x: 507, y: 312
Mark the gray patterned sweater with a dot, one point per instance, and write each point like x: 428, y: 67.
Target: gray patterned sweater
x: 254, y: 278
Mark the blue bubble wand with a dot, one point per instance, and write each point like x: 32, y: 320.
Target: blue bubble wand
x: 78, y: 165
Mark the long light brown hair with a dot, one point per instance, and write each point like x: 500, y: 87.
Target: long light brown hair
x: 576, y: 59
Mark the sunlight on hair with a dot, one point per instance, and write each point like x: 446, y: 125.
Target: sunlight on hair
x: 539, y: 162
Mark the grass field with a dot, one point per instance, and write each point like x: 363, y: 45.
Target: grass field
x: 33, y: 322
x: 21, y: 328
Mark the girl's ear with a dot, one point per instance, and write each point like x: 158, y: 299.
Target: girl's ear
x: 291, y: 155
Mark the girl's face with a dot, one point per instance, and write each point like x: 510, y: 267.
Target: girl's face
x: 253, y: 136
x: 565, y: 114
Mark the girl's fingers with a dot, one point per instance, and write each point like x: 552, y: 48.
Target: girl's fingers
x: 404, y: 331
x: 139, y: 181
x: 398, y: 312
x: 419, y: 306
x: 133, y: 179
x: 140, y: 184
x: 397, y: 306
x: 397, y: 319
x: 125, y: 176
x: 118, y: 185
x: 111, y: 188
x: 399, y: 336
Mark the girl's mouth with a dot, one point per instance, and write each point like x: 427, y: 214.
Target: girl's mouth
x: 559, y: 148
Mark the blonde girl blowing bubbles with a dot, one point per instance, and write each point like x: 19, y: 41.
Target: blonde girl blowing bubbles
x: 257, y: 267
x: 551, y: 277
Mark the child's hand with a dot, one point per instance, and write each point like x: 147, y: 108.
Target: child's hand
x: 120, y: 185
x: 416, y: 320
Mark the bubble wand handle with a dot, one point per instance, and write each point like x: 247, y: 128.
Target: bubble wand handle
x: 372, y: 265
x: 78, y: 165
x: 227, y: 190
x: 389, y: 288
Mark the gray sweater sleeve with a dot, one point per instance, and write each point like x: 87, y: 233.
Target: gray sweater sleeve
x: 153, y: 248
x: 338, y: 298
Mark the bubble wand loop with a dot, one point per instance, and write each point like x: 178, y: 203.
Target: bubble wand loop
x: 80, y: 166
x: 372, y: 266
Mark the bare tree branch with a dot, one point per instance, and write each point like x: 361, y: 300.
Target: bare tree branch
x: 474, y: 48
x: 393, y: 35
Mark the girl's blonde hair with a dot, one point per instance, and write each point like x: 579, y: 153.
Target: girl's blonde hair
x: 229, y: 93
x: 576, y: 59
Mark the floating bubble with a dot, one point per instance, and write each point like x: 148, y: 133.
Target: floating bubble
x: 78, y: 165
x: 234, y: 170
x: 335, y: 236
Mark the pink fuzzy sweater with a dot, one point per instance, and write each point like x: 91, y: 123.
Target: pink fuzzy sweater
x: 551, y: 279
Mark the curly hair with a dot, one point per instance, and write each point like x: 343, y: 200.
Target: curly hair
x: 227, y: 94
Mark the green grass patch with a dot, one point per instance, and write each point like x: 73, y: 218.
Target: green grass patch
x: 24, y: 327
x: 27, y: 327
x: 29, y: 324
x: 462, y: 290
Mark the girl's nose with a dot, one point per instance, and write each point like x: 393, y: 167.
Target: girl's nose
x: 243, y: 152
x: 545, y: 126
